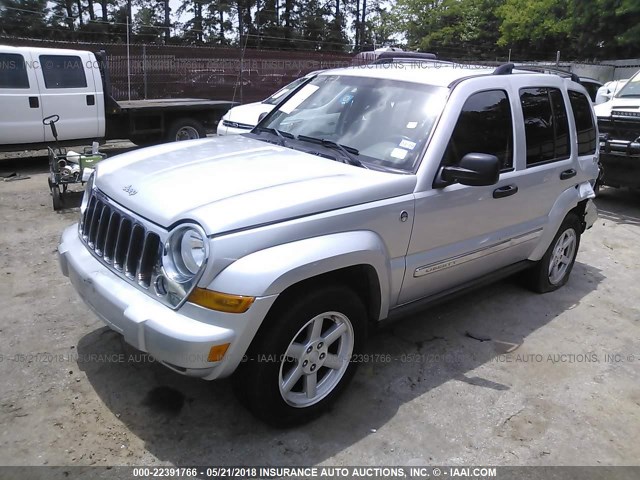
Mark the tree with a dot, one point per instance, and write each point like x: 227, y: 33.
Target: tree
x: 544, y: 26
x: 17, y: 17
x: 457, y: 28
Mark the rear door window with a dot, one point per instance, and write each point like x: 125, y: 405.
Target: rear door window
x: 545, y: 124
x: 585, y: 127
x: 63, y: 71
x: 13, y: 71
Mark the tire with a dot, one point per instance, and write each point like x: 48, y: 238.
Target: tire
x: 185, y: 129
x: 553, y: 270
x: 276, y: 381
x: 56, y: 197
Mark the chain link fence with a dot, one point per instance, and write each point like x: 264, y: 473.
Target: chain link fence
x: 243, y: 75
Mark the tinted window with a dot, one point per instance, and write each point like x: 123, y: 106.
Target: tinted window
x: 545, y: 125
x: 561, y: 124
x: 584, y: 123
x: 63, y: 71
x: 592, y: 88
x: 484, y: 126
x: 13, y: 71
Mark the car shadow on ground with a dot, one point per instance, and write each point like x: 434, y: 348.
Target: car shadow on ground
x: 188, y: 421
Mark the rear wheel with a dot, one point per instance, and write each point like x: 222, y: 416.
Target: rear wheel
x: 301, y: 359
x: 186, y: 129
x: 553, y: 270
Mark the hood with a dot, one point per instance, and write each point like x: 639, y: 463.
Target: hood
x: 249, y: 113
x: 631, y: 104
x: 235, y: 182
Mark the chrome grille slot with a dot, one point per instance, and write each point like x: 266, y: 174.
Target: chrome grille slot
x: 134, y: 252
x: 150, y: 253
x: 126, y: 244
x: 86, y: 221
x: 122, y: 244
x: 101, y: 236
x: 110, y: 239
x: 95, y: 221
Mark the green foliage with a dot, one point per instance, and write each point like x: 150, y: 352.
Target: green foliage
x: 15, y: 19
x: 457, y: 27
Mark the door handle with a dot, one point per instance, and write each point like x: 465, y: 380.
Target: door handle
x: 568, y: 174
x: 505, y: 191
x: 34, y: 102
x: 91, y: 100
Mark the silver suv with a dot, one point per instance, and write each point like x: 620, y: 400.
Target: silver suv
x: 367, y: 193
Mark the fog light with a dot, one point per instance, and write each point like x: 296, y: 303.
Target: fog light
x: 217, y: 352
x: 223, y: 302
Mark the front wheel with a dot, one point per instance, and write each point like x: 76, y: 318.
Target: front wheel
x: 553, y: 270
x: 300, y: 360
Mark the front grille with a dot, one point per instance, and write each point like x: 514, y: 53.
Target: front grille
x: 120, y: 241
x: 626, y: 129
x: 244, y: 126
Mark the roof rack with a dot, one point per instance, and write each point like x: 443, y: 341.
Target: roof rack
x: 393, y: 56
x: 508, y: 68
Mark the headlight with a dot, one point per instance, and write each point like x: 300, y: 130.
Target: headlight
x: 186, y: 252
x: 192, y: 251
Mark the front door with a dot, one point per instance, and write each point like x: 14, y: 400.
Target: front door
x: 20, y: 104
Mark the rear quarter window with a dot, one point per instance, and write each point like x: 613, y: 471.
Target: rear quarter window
x: 63, y: 71
x: 585, y: 128
x: 13, y: 71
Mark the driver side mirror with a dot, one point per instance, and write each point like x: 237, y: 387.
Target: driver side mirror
x: 474, y: 169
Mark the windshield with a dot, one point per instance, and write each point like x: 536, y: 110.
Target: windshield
x: 383, y: 122
x: 632, y: 88
x: 280, y: 94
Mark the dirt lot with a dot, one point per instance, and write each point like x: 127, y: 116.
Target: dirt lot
x: 547, y: 380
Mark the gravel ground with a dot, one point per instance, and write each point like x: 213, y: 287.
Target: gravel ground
x: 502, y: 376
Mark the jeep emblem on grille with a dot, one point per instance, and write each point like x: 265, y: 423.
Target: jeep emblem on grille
x: 130, y: 190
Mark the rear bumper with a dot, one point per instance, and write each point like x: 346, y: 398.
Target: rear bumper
x: 180, y: 339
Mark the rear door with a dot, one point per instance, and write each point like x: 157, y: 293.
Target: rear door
x: 549, y: 167
x: 20, y: 104
x: 68, y: 89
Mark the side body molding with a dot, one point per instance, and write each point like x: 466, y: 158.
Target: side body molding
x: 568, y: 200
x: 272, y: 270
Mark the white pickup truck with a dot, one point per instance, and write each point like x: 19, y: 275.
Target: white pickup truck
x: 75, y: 84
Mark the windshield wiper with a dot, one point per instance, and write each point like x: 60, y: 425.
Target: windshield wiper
x: 274, y: 131
x: 348, y: 153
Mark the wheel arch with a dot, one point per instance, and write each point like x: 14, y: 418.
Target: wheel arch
x: 572, y: 200
x: 357, y: 259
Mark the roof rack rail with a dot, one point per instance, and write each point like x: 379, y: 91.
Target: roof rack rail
x: 546, y: 68
x: 508, y: 68
x: 391, y: 56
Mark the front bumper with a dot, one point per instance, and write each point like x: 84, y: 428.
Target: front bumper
x: 180, y: 339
